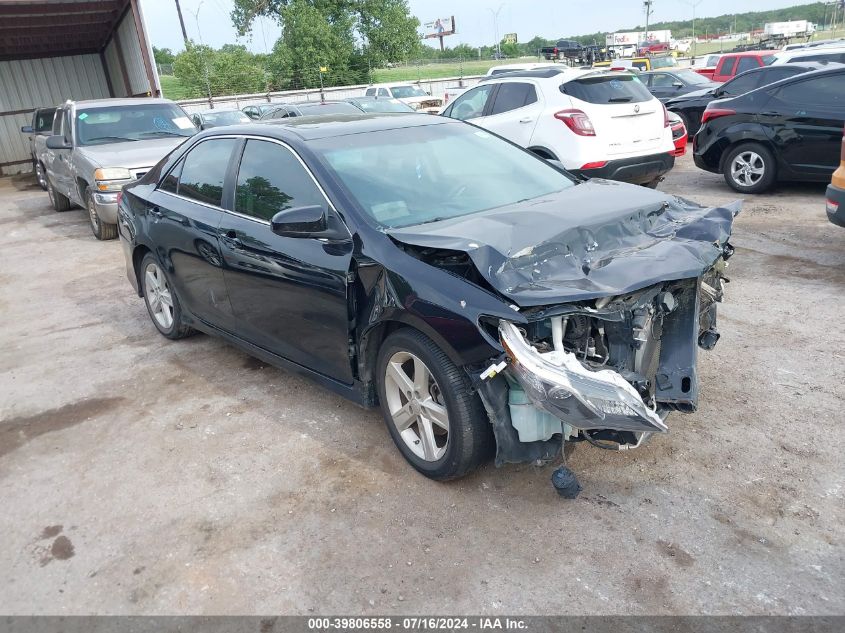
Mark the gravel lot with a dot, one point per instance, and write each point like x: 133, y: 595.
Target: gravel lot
x: 139, y: 475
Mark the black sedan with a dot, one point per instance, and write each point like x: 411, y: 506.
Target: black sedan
x: 670, y: 83
x: 313, y: 108
x: 788, y: 130
x: 396, y: 259
x: 215, y: 118
x: 691, y: 106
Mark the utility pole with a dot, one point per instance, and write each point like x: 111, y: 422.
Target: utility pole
x: 647, y: 4
x: 496, y: 29
x: 202, y: 55
x: 182, y: 24
x: 693, y: 4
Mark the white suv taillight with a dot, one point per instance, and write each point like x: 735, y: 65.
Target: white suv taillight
x: 666, y: 121
x: 577, y: 121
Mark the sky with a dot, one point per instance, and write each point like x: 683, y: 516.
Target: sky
x: 474, y: 18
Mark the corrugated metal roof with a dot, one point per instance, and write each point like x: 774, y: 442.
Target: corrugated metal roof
x: 56, y: 27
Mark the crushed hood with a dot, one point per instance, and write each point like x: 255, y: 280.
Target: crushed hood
x: 599, y: 238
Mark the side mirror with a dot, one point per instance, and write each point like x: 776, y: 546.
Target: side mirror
x: 678, y: 84
x: 58, y: 142
x: 300, y: 221
x: 27, y: 129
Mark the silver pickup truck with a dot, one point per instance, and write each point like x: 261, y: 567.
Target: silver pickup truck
x: 99, y: 146
x: 42, y: 125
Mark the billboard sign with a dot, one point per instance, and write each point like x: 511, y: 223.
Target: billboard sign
x: 439, y: 27
x: 510, y: 38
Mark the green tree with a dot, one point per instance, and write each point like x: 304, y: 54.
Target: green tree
x: 231, y: 70
x: 163, y: 55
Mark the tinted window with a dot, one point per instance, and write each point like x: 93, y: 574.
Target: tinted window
x: 171, y: 181
x: 58, y: 120
x: 513, y: 96
x: 471, y: 104
x: 826, y: 91
x: 692, y: 77
x: 746, y: 63
x: 382, y: 92
x: 775, y: 73
x: 822, y: 57
x: 272, y: 179
x: 608, y: 89
x: 44, y: 120
x: 662, y: 80
x: 328, y: 108
x: 204, y: 171
x: 742, y: 84
x: 726, y: 66
x: 278, y: 113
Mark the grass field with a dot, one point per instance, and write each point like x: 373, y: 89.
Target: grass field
x: 172, y: 88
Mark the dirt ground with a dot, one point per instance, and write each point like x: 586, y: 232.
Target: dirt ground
x: 143, y: 476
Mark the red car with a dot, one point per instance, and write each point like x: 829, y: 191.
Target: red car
x: 733, y: 64
x: 679, y: 135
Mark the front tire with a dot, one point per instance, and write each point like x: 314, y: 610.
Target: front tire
x: 162, y: 303
x: 435, y: 420
x: 60, y: 203
x: 101, y: 230
x: 749, y: 168
x: 40, y: 176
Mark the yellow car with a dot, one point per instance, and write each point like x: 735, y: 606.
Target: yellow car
x: 836, y: 191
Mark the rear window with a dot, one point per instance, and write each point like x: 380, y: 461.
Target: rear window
x: 768, y: 60
x: 607, y: 89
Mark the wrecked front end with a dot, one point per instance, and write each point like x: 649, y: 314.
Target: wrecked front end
x: 610, y: 312
x: 607, y: 371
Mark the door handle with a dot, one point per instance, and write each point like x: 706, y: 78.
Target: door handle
x: 527, y: 119
x: 155, y: 211
x: 770, y: 113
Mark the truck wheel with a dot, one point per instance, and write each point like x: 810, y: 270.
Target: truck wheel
x: 60, y: 203
x: 102, y: 230
x: 38, y: 168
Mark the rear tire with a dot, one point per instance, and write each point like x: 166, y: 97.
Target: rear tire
x: 101, y: 230
x: 160, y: 298
x: 420, y: 389
x: 60, y: 203
x: 749, y: 168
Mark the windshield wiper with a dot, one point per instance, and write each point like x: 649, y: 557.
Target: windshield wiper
x: 110, y: 138
x: 164, y: 132
x: 619, y: 100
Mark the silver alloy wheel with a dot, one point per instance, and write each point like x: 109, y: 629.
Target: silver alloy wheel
x: 416, y: 406
x: 747, y: 168
x: 92, y: 215
x: 158, y: 295
x: 39, y: 175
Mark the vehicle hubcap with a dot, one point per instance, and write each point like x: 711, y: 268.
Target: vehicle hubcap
x: 39, y: 174
x: 417, y: 406
x: 159, y: 299
x: 747, y: 168
x: 92, y: 213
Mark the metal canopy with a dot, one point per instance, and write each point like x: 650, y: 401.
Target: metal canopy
x: 53, y: 28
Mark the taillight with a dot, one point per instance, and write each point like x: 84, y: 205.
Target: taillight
x: 595, y: 165
x: 715, y: 113
x: 556, y: 50
x: 666, y: 121
x: 577, y: 121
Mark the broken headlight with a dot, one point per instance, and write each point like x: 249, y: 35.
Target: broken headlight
x: 558, y: 383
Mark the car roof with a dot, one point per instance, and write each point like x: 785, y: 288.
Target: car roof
x: 751, y: 53
x: 560, y: 72
x: 815, y: 50
x: 107, y: 103
x: 308, y: 128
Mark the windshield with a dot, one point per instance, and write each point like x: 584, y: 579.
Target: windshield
x: 414, y: 175
x: 229, y: 117
x: 768, y: 60
x: 663, y: 62
x: 406, y: 92
x: 116, y: 124
x: 615, y: 88
x: 692, y: 77
x: 384, y: 105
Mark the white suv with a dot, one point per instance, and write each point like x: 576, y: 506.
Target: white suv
x: 600, y: 124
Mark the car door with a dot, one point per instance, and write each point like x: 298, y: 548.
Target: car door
x: 805, y: 119
x: 58, y: 160
x: 182, y: 222
x: 662, y: 85
x: 471, y: 105
x: 514, y: 112
x: 289, y: 294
